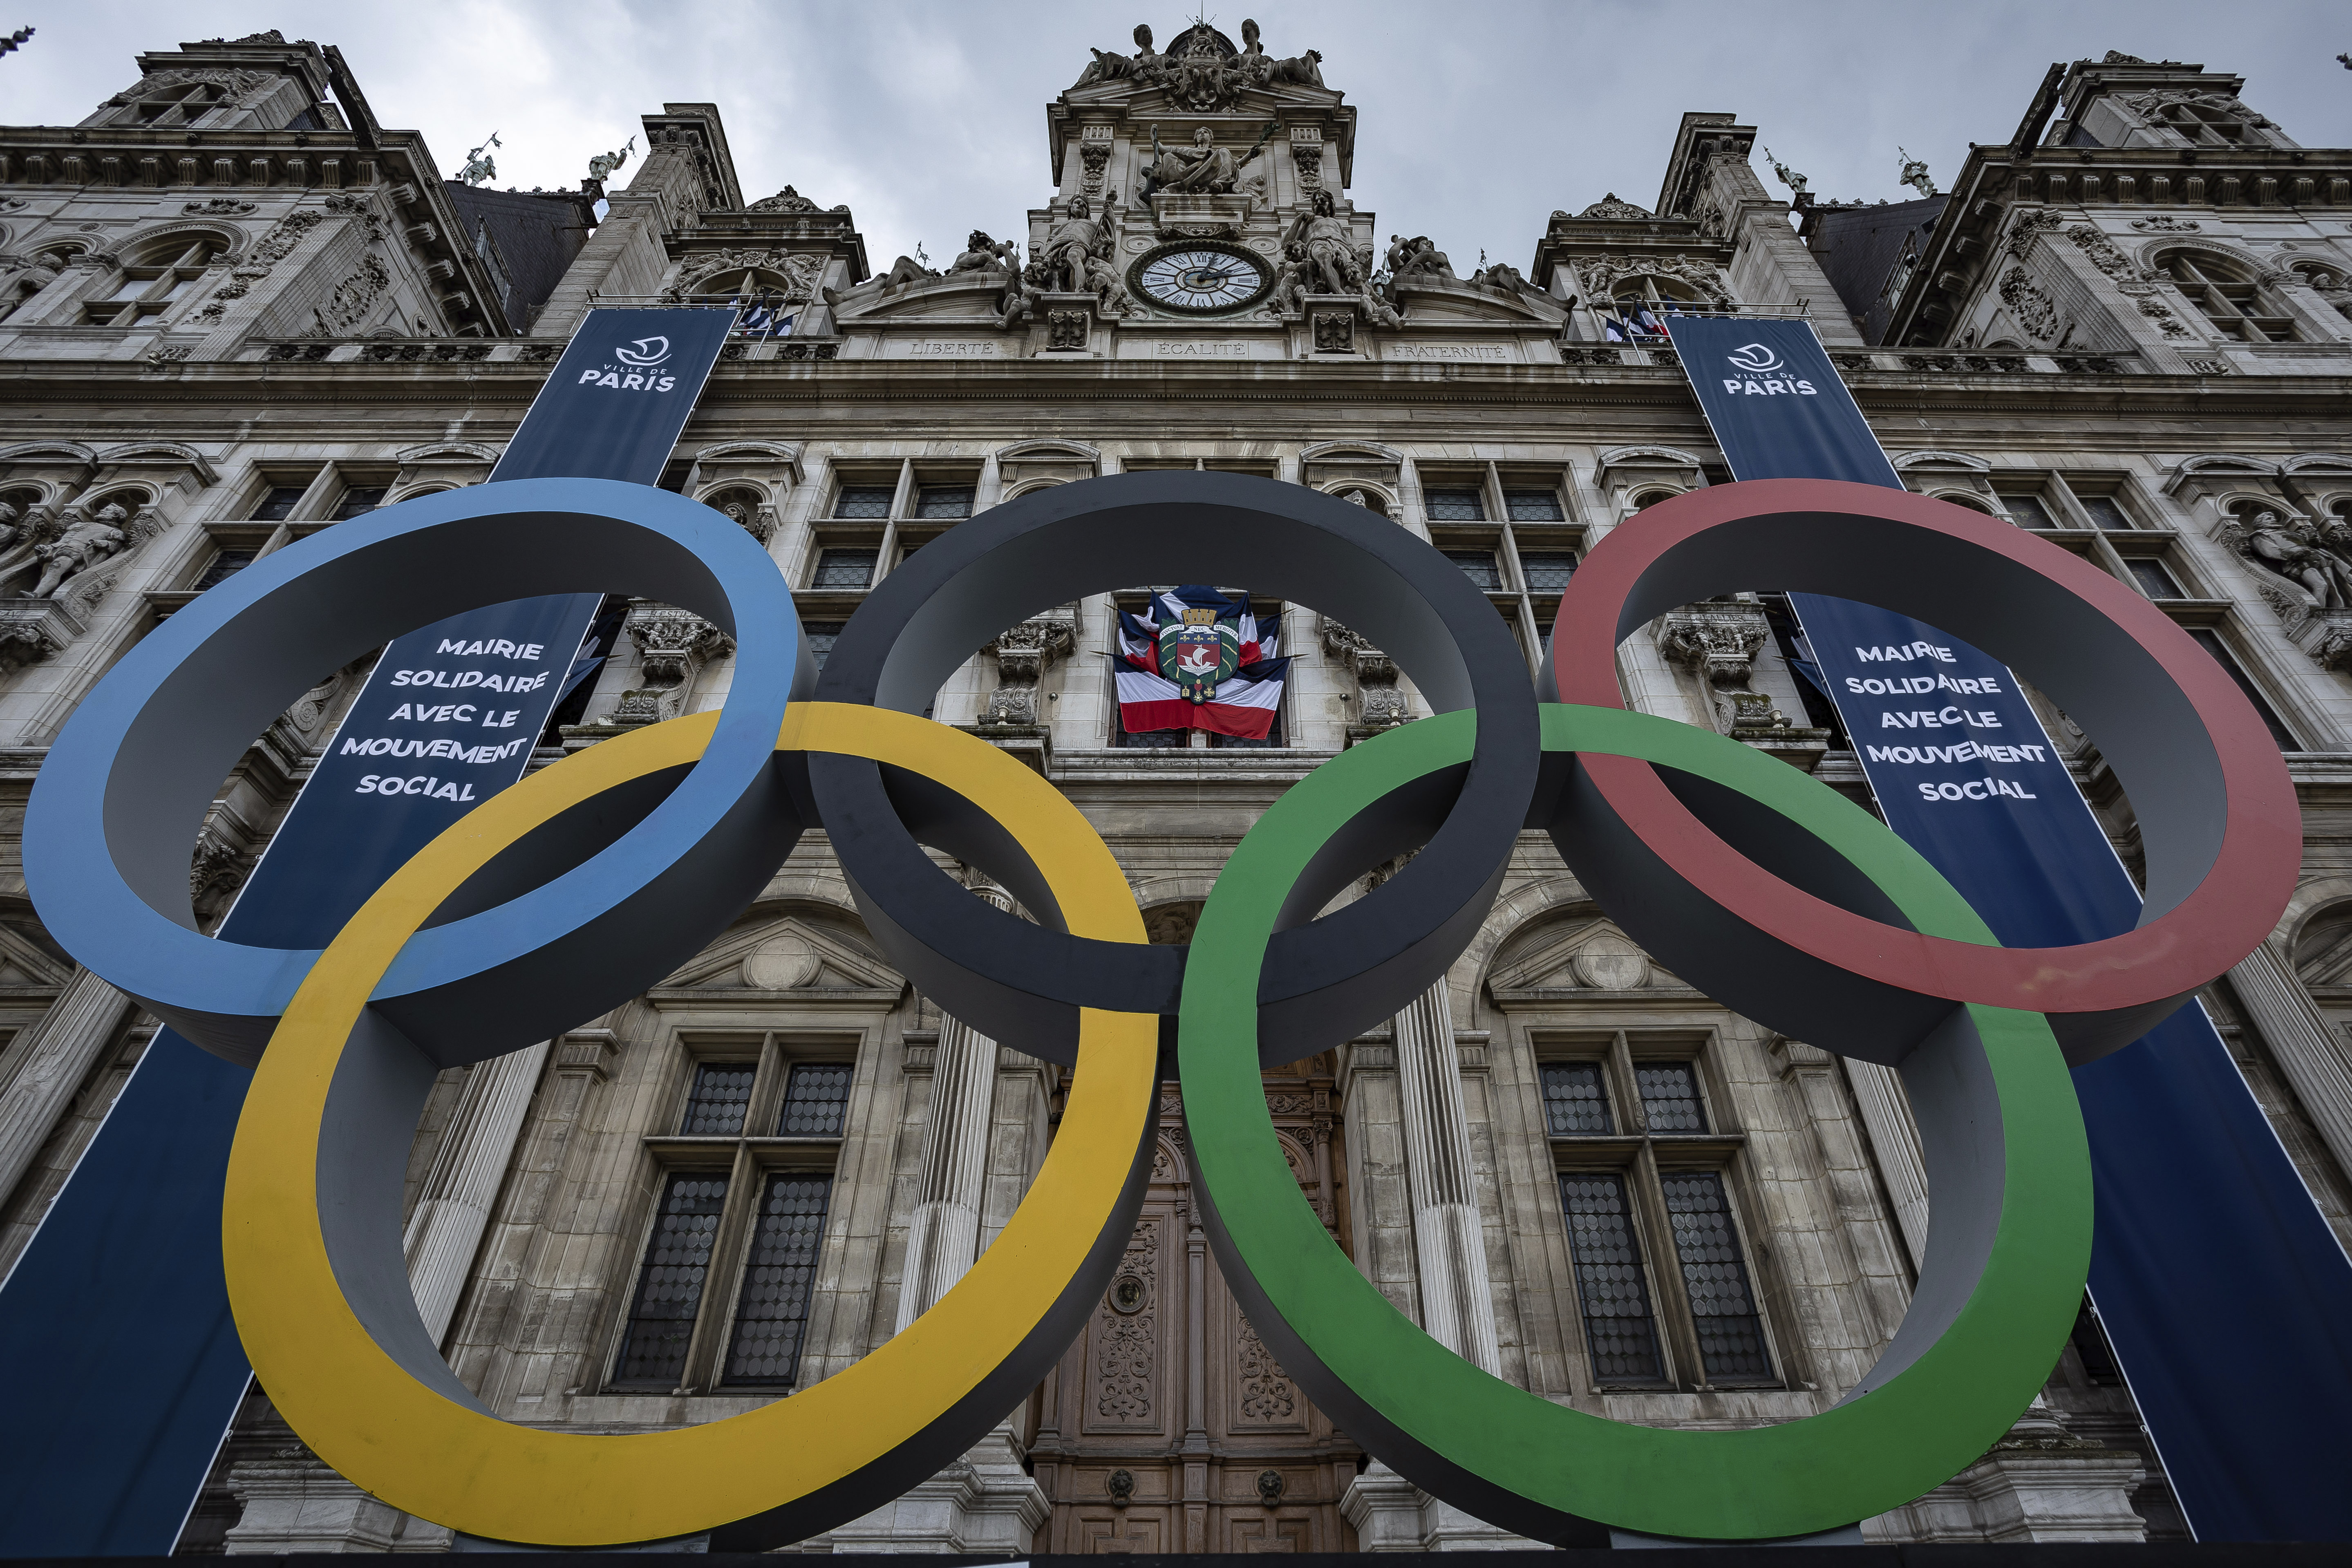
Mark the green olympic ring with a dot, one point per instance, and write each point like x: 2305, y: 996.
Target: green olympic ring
x: 2007, y: 1157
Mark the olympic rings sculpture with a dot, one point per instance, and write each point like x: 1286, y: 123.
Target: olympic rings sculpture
x: 1748, y: 877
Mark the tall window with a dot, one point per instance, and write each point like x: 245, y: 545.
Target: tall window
x: 1662, y: 1275
x: 862, y: 502
x: 943, y: 501
x: 845, y: 568
x: 2235, y: 305
x: 724, y: 1287
x: 1519, y: 556
x: 149, y: 287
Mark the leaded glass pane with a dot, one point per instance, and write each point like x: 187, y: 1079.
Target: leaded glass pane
x: 846, y: 568
x: 2028, y: 510
x: 1574, y: 1099
x: 771, y: 1314
x: 279, y: 503
x: 2108, y: 513
x: 816, y: 1096
x: 1455, y: 506
x: 1533, y: 506
x: 669, y: 1287
x: 1619, y: 1327
x: 1670, y: 1098
x: 1548, y: 570
x: 944, y: 500
x: 226, y: 564
x: 1723, y: 1308
x: 722, y: 1092
x: 1478, y: 566
x: 358, y: 498
x: 864, y: 500
x: 2154, y: 580
x: 822, y: 636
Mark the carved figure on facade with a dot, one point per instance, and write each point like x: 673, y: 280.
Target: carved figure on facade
x: 604, y: 165
x: 1785, y: 175
x: 981, y: 254
x: 1021, y: 290
x: 1416, y: 260
x: 1302, y: 70
x: 2291, y: 548
x: 352, y: 299
x: 2031, y: 224
x: 1068, y: 245
x: 479, y: 165
x: 82, y: 544
x: 1066, y: 330
x: 233, y: 84
x: 789, y: 200
x: 1113, y: 66
x: 1290, y: 279
x: 1023, y: 654
x: 2029, y: 305
x: 1718, y: 642
x: 2149, y: 106
x: 1379, y: 705
x: 1915, y: 174
x: 1329, y: 242
x: 800, y: 272
x: 1203, y: 169
x: 672, y: 647
x: 1109, y: 288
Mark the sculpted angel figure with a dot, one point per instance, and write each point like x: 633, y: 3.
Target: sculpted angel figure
x: 1110, y: 289
x: 86, y: 542
x: 1289, y: 280
x: 1330, y: 246
x: 1113, y: 66
x: 1021, y: 293
x: 1069, y: 245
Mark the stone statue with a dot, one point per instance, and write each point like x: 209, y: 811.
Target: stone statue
x: 1329, y: 243
x: 1306, y: 71
x: 1914, y: 173
x: 1421, y: 259
x: 1110, y: 289
x: 1114, y: 67
x: 1255, y: 65
x: 84, y: 543
x: 1291, y: 278
x: 1021, y: 290
x: 10, y: 516
x: 1069, y: 244
x: 981, y: 254
x: 604, y: 165
x: 2290, y: 550
x: 478, y: 168
x: 1203, y: 169
x: 1788, y: 176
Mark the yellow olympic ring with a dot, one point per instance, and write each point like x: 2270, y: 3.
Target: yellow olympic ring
x: 794, y: 1460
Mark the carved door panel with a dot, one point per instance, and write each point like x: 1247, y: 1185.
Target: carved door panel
x: 1170, y: 1426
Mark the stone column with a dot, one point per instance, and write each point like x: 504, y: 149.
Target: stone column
x: 45, y: 1066
x: 985, y: 1502
x: 2308, y: 1052
x: 445, y: 1230
x: 1895, y: 1140
x: 1457, y: 1304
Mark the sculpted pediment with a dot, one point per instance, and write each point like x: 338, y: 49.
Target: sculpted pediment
x: 786, y: 954
x: 1432, y: 302
x: 957, y: 294
x: 1587, y: 955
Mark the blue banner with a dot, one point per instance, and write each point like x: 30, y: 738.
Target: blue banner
x: 124, y: 1367
x: 2222, y: 1288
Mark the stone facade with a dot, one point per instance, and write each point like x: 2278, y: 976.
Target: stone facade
x: 236, y: 310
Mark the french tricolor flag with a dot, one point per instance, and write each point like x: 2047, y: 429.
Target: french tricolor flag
x: 1245, y: 702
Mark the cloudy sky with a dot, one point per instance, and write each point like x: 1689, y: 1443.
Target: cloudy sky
x: 1479, y: 117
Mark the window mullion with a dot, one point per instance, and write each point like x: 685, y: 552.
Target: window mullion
x: 720, y: 1286
x: 1677, y: 1340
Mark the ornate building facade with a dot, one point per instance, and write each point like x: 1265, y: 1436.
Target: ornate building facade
x: 236, y: 310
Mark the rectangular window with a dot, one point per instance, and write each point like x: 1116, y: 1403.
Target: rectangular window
x: 1456, y: 506
x: 864, y: 500
x: 2154, y: 580
x: 1619, y: 1327
x: 722, y: 1092
x: 226, y: 564
x: 846, y: 568
x: 943, y: 501
x: 1670, y: 1100
x: 1723, y: 1308
x: 1548, y: 570
x: 1575, y: 1101
x: 1533, y: 506
x: 822, y: 636
x: 1478, y: 566
x: 279, y: 503
x: 2108, y: 512
x: 816, y: 1098
x: 771, y: 1313
x: 358, y: 498
x: 2211, y: 641
x: 669, y: 1286
x: 2028, y: 510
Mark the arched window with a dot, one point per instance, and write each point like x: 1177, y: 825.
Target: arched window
x: 1971, y: 502
x: 2234, y: 303
x: 1640, y: 304
x: 1648, y: 499
x: 149, y: 286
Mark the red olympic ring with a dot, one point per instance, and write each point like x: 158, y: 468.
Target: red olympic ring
x: 2217, y: 808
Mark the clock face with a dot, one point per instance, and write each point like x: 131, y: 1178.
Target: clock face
x: 1199, y: 279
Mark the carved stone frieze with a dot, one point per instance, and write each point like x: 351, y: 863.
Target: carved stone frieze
x: 2165, y: 223
x: 672, y: 647
x: 1066, y: 329
x: 1268, y: 1394
x: 1611, y: 206
x: 2031, y: 226
x: 2029, y: 305
x: 33, y: 629
x: 1379, y: 705
x: 1335, y: 330
x: 801, y: 272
